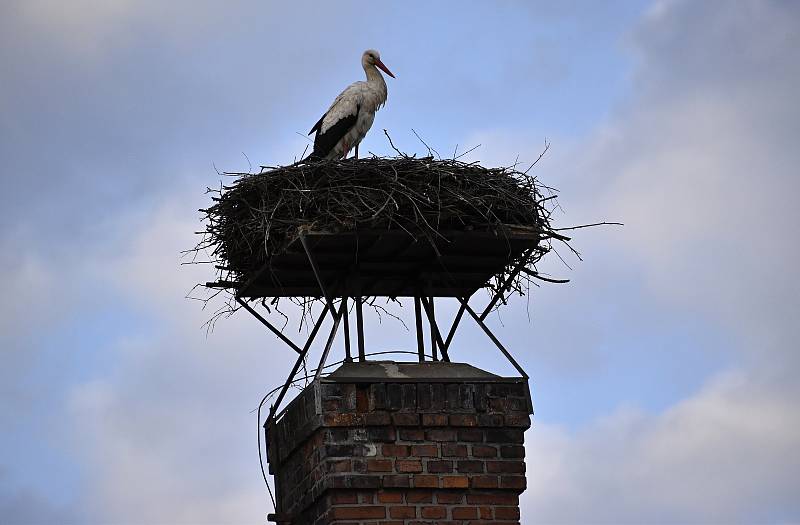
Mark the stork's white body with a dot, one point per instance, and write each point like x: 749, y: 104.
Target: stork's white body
x: 352, y: 113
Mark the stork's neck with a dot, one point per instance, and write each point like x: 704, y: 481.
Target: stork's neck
x: 375, y: 78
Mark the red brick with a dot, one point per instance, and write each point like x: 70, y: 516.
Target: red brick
x: 362, y: 400
x: 512, y: 451
x: 339, y: 419
x: 405, y: 419
x: 450, y: 450
x: 359, y: 512
x: 412, y: 434
x: 484, y: 451
x: 474, y: 435
x: 490, y: 420
x: 455, y: 482
x: 449, y: 498
x: 381, y: 434
x: 493, y: 498
x: 439, y: 466
x: 403, y: 512
x: 339, y: 465
x: 463, y: 420
x: 511, y: 467
x: 506, y: 513
x: 513, y: 420
x: 401, y: 481
x: 502, y: 435
x: 469, y: 466
x: 419, y: 496
x: 513, y: 482
x: 425, y: 481
x: 434, y: 420
x: 394, y: 451
x: 484, y: 482
x: 390, y: 497
x: 443, y: 434
x: 376, y: 419
x: 425, y: 450
x: 379, y: 465
x: 465, y: 513
x: 364, y: 482
x: 408, y: 465
x: 434, y: 512
x: 338, y: 498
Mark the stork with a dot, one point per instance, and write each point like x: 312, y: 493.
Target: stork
x: 350, y: 116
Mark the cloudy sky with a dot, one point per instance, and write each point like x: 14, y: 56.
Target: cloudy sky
x: 664, y: 373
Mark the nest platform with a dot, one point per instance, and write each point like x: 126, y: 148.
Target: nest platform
x: 388, y: 263
x: 394, y: 227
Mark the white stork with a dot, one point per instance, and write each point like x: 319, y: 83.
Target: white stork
x: 350, y: 116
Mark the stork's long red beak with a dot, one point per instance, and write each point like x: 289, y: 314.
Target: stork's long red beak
x: 383, y: 67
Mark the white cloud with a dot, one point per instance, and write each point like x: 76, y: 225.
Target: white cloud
x: 725, y: 455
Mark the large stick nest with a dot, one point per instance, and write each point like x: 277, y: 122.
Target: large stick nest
x: 259, y: 215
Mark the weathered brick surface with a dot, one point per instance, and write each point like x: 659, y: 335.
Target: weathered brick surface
x: 401, y: 453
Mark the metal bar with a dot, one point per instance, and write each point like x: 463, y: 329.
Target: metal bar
x: 347, y: 356
x: 360, y: 329
x: 435, y: 328
x: 269, y: 325
x: 452, y: 331
x: 420, y: 338
x: 336, y: 318
x: 493, y: 338
x: 434, y: 346
x: 314, y: 268
x: 520, y: 265
x: 297, y: 363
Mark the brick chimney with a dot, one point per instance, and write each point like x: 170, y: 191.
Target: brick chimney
x: 401, y: 443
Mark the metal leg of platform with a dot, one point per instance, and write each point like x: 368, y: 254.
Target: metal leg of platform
x: 452, y: 331
x: 493, y: 338
x: 317, y: 275
x: 360, y: 328
x: 273, y: 409
x: 504, y: 287
x: 347, y: 356
x: 337, y: 317
x: 269, y: 325
x: 434, y: 345
x: 420, y: 338
x: 437, y: 337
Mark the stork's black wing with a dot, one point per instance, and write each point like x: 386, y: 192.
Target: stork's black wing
x: 325, y: 142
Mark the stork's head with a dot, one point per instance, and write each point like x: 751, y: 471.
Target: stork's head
x: 372, y: 58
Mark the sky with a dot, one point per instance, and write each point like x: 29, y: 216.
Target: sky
x: 663, y: 374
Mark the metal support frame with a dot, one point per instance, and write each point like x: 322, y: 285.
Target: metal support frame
x: 273, y: 409
x: 502, y: 290
x: 420, y: 338
x: 337, y: 317
x: 348, y: 358
x: 421, y: 302
x: 452, y: 331
x: 494, y: 339
x: 269, y: 325
x: 360, y: 329
x: 434, y: 328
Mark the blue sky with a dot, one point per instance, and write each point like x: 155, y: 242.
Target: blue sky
x: 664, y: 373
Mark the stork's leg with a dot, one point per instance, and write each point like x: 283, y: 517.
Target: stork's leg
x: 356, y: 151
